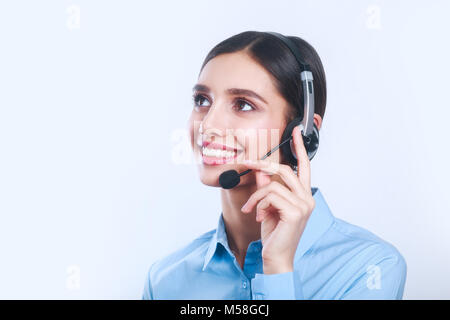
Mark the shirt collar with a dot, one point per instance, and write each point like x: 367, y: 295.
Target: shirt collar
x: 218, y: 237
x: 319, y: 221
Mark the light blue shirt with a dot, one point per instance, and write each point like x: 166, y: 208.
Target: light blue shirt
x: 334, y: 260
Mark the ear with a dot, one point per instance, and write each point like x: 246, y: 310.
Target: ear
x: 317, y: 120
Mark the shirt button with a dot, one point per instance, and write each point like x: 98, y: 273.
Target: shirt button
x: 244, y: 284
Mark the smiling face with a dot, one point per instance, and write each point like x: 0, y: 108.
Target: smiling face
x: 235, y: 107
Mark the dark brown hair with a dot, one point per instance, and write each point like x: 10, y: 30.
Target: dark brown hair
x: 272, y: 54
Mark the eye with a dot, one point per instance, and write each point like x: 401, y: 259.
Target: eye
x: 239, y: 102
x: 197, y: 97
x: 242, y: 101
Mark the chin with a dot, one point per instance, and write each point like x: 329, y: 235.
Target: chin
x: 209, y: 175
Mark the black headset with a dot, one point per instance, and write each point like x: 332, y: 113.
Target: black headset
x: 309, y: 129
x: 310, y: 133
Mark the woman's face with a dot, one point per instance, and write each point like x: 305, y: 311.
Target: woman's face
x: 225, y: 116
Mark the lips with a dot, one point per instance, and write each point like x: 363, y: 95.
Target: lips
x: 216, y: 154
x: 213, y: 145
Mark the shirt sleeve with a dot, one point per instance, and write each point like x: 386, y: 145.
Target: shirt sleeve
x: 384, y: 280
x: 277, y: 286
x: 147, y: 294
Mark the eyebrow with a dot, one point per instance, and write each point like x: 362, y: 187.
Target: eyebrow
x: 232, y: 91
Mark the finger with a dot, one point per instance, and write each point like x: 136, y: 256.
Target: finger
x: 272, y: 187
x: 303, y: 163
x: 262, y: 179
x: 283, y: 206
x: 284, y: 171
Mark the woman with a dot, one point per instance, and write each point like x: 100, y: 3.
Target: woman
x: 276, y: 237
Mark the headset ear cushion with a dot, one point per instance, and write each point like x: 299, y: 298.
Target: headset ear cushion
x: 286, y: 147
x: 310, y: 142
x: 313, y: 144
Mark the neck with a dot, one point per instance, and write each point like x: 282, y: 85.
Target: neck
x: 241, y: 228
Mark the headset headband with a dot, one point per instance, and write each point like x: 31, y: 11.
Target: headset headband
x: 307, y: 82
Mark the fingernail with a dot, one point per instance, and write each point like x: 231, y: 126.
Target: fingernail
x: 244, y: 207
x: 248, y: 161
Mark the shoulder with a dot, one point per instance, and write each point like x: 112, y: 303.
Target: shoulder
x: 194, y: 251
x: 361, y: 245
x: 375, y: 269
x: 354, y: 262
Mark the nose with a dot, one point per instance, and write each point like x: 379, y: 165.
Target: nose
x: 215, y: 122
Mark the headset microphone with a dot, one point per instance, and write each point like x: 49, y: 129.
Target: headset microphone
x: 310, y: 133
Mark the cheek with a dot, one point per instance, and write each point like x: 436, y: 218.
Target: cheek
x: 193, y: 127
x: 263, y: 137
x: 191, y: 133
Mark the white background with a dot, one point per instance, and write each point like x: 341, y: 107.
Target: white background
x: 93, y: 112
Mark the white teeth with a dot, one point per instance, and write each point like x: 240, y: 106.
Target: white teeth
x: 218, y: 153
